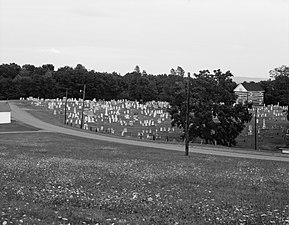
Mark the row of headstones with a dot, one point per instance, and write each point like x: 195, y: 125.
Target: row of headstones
x: 143, y: 134
x: 133, y: 104
x: 273, y: 107
x: 99, y: 104
x: 108, y: 110
x: 112, y: 118
x: 274, y: 116
x: 261, y: 112
x: 108, y: 104
x: 270, y: 111
x: 275, y: 126
x: 149, y: 134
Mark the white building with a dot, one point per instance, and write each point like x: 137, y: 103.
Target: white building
x: 251, y: 92
x: 5, y: 113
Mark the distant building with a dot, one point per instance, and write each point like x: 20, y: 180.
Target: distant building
x: 251, y: 92
x: 5, y: 113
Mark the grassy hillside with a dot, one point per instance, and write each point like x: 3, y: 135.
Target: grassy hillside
x: 48, y: 178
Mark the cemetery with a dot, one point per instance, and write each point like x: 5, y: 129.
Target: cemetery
x: 122, y: 117
x: 272, y: 128
x: 151, y: 121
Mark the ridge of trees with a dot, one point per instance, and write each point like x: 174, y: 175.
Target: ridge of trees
x: 46, y: 82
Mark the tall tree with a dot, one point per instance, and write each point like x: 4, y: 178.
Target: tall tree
x: 282, y: 71
x: 277, y: 88
x: 214, y: 116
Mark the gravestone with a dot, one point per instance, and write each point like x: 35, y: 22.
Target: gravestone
x: 250, y: 130
x: 264, y: 124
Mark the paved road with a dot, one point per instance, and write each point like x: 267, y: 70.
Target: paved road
x: 21, y: 115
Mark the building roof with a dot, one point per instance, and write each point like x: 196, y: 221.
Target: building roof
x: 4, y: 107
x: 252, y: 86
x: 246, y: 87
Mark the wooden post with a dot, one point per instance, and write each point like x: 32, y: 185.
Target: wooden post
x: 83, y: 97
x: 256, y: 128
x: 188, y: 118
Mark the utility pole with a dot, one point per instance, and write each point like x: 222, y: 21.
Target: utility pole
x: 66, y: 91
x: 256, y: 128
x: 83, y: 97
x: 188, y: 118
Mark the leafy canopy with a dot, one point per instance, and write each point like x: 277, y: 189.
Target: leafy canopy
x: 214, y: 115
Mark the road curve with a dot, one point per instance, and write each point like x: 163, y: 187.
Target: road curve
x: 21, y: 115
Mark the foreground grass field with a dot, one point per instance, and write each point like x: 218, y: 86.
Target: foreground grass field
x: 48, y: 178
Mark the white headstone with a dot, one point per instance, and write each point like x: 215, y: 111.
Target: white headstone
x: 250, y: 132
x: 264, y: 124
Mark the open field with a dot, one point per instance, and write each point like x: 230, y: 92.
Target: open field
x: 48, y: 178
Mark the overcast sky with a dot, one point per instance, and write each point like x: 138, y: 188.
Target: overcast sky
x: 247, y: 37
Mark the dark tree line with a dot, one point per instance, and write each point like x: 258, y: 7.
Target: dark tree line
x: 46, y: 82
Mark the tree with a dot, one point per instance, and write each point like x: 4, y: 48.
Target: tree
x: 211, y: 97
x: 28, y: 68
x: 279, y: 71
x: 232, y: 122
x: 9, y: 70
x: 173, y: 72
x: 139, y: 87
x: 48, y: 67
x: 277, y: 89
x: 4, y: 86
x: 168, y: 86
x: 137, y: 69
x: 180, y: 71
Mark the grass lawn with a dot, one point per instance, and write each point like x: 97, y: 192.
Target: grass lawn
x: 48, y: 178
x: 41, y: 113
x: 16, y: 126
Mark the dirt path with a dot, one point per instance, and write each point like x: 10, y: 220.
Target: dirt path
x: 21, y: 115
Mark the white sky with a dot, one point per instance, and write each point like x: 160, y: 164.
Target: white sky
x: 247, y: 37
